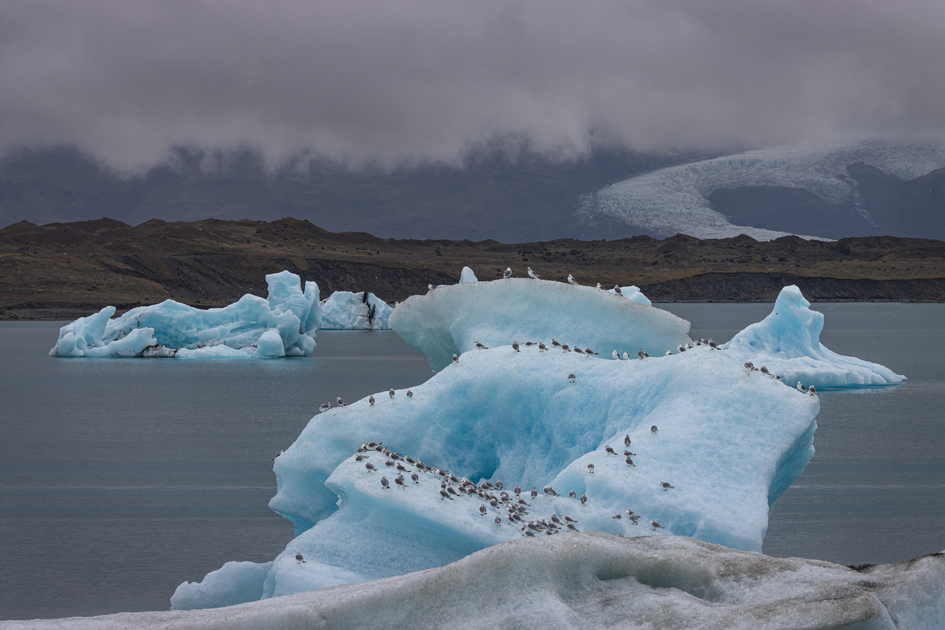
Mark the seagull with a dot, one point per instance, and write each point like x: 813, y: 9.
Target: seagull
x: 371, y: 401
x: 409, y: 394
x: 665, y: 485
x: 609, y: 449
x: 498, y: 521
x: 324, y: 407
x: 669, y: 353
x: 507, y: 273
x: 571, y: 279
x: 566, y: 347
x: 415, y: 477
x: 656, y: 525
x: 534, y: 493
x: 626, y: 356
x: 498, y: 484
x: 444, y: 495
x: 385, y: 483
x: 614, y: 354
x: 812, y: 391
x: 617, y: 289
x: 572, y: 527
x: 455, y: 359
x: 641, y: 354
x: 515, y: 346
x: 518, y: 490
x: 626, y: 440
x: 634, y: 518
x: 572, y: 494
x: 532, y: 274
x: 653, y: 429
x: 555, y: 343
x: 571, y: 378
x: 749, y: 365
x: 801, y: 388
x: 629, y: 454
x: 712, y: 344
x: 299, y: 558
x: 630, y: 462
x: 578, y: 350
x: 764, y: 370
x: 616, y: 516
x: 391, y: 392
x: 482, y: 509
x: 340, y: 402
x: 599, y: 287
x: 542, y: 346
x: 370, y: 466
x: 549, y: 490
x: 429, y: 288
x: 680, y: 348
x: 590, y: 468
x: 589, y: 351
x: 583, y: 499
x: 569, y: 519
x: 399, y: 480
x: 480, y: 346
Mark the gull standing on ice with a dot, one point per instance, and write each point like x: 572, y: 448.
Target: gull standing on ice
x: 340, y: 402
x: 299, y: 558
x: 656, y: 525
x: 617, y: 289
x: 532, y: 274
x: 480, y: 346
x: 626, y: 440
x: 324, y: 407
x: 590, y: 468
x: 370, y: 466
x: 653, y: 429
x: 507, y: 273
x: 371, y: 401
x: 515, y: 346
x: 384, y: 483
x: 455, y: 359
x: 583, y: 498
x: 534, y: 493
x: 572, y: 280
x: 571, y: 378
x: 614, y: 354
x: 409, y: 394
x: 391, y: 392
x: 801, y: 388
x: 665, y: 485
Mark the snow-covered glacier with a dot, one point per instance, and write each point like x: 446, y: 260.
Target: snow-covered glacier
x: 588, y: 580
x: 691, y: 444
x: 344, y: 310
x: 451, y: 319
x: 787, y: 343
x: 675, y: 199
x: 284, y: 324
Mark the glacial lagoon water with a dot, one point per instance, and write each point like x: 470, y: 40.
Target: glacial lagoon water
x: 119, y: 479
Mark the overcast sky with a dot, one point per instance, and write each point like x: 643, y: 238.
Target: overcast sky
x: 397, y: 79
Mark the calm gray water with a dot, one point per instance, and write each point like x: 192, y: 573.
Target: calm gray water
x: 120, y: 479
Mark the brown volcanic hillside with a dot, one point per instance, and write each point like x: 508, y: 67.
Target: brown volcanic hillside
x: 70, y: 269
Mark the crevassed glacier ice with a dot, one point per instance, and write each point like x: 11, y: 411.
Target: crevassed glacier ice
x: 729, y: 441
x: 282, y: 325
x: 593, y: 581
x: 344, y: 310
x: 787, y: 342
x: 450, y: 319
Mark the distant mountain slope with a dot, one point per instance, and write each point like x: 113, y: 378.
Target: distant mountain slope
x: 527, y: 198
x: 857, y: 189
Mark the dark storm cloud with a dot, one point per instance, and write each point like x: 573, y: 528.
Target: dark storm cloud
x: 126, y: 79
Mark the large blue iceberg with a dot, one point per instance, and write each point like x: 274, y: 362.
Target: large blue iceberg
x: 284, y: 324
x: 451, y: 319
x: 787, y: 343
x: 727, y: 442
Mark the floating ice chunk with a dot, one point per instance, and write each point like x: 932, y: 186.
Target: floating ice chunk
x: 269, y: 345
x: 787, y: 343
x: 294, y: 314
x: 215, y: 352
x: 595, y: 581
x: 730, y: 442
x: 467, y: 275
x: 451, y: 319
x: 233, y: 583
x: 633, y: 293
x: 344, y: 310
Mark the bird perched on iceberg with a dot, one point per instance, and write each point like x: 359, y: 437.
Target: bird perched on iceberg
x: 508, y: 273
x: 455, y: 359
x: 572, y: 280
x: 617, y: 289
x: 656, y: 525
x: 340, y: 402
x: 299, y: 558
x: 391, y: 392
x: 532, y: 274
x: 615, y: 355
x: 324, y: 407
x: 371, y: 401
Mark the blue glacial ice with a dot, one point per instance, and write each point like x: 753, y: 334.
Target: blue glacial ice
x: 450, y: 319
x: 344, y: 310
x: 787, y: 343
x: 728, y: 441
x: 634, y: 294
x: 592, y: 581
x: 467, y: 275
x: 282, y: 325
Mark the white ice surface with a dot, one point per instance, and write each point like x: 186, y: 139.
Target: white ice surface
x: 675, y: 199
x: 591, y: 581
x: 450, y: 319
x: 787, y: 342
x: 288, y: 318
x: 729, y: 440
x: 344, y: 310
x: 467, y: 275
x: 633, y: 294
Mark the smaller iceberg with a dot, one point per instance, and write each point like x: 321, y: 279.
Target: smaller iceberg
x: 787, y: 343
x: 283, y: 324
x: 633, y: 294
x: 467, y: 275
x: 344, y: 310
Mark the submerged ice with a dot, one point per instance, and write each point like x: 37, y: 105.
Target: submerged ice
x: 595, y: 581
x: 283, y: 324
x: 451, y: 319
x: 787, y: 343
x: 725, y: 441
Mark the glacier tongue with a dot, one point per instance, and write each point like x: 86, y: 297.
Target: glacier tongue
x: 282, y: 325
x: 787, y: 343
x: 450, y: 319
